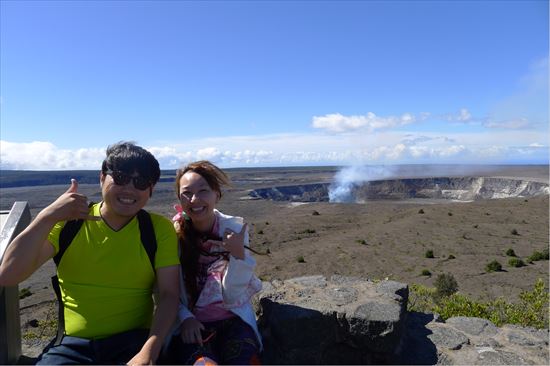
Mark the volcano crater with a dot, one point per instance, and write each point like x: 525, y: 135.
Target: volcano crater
x: 463, y: 189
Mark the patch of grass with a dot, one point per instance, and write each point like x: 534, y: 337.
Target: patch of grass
x: 307, y: 231
x: 510, y: 253
x: 530, y: 311
x: 425, y: 272
x: 300, y: 259
x: 514, y: 232
x: 445, y: 285
x: 315, y: 213
x: 421, y: 211
x: 538, y: 256
x: 429, y: 253
x: 493, y: 266
x: 24, y: 292
x: 451, y: 256
x: 450, y: 213
x: 516, y: 262
x: 260, y: 232
x: 361, y: 241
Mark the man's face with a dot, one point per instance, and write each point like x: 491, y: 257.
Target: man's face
x: 121, y: 197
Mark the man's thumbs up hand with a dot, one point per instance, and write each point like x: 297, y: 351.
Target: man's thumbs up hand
x: 70, y: 205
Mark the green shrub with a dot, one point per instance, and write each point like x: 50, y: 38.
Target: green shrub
x: 516, y: 262
x: 538, y: 256
x: 514, y: 232
x: 24, y: 292
x: 426, y: 272
x: 421, y: 211
x: 510, y: 253
x: 315, y: 213
x: 451, y: 256
x: 361, y: 241
x: 450, y: 213
x: 531, y: 311
x: 307, y: 231
x: 260, y: 232
x: 493, y: 266
x: 445, y: 285
x: 429, y: 253
x: 301, y: 259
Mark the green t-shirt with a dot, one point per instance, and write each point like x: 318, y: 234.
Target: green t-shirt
x: 106, y: 277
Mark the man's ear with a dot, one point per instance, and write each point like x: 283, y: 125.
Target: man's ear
x: 101, y: 178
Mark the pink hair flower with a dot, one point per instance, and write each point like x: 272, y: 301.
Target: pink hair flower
x: 179, y: 213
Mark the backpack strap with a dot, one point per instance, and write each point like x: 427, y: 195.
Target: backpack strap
x: 66, y: 237
x: 147, y: 234
x: 60, y: 312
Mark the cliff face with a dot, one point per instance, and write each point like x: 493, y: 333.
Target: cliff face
x: 461, y: 189
x: 347, y: 320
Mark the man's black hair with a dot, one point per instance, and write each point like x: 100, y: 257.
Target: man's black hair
x: 127, y: 157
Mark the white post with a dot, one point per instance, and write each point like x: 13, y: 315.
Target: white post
x: 10, y: 328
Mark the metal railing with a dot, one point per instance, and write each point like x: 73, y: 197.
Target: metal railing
x: 18, y: 218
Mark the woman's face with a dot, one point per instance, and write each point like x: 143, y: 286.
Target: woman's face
x: 198, y: 199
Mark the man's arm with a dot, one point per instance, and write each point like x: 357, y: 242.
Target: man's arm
x: 165, y: 314
x: 30, y: 249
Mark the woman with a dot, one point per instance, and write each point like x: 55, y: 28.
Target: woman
x: 216, y: 320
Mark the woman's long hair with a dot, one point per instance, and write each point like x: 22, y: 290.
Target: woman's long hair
x: 188, y: 237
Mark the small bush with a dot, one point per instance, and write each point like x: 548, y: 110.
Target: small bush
x: 315, y: 213
x: 451, y: 256
x: 450, y: 213
x: 421, y: 211
x: 510, y: 253
x: 300, y: 259
x: 426, y: 272
x: 361, y: 241
x: 267, y: 222
x: 260, y: 232
x: 445, y: 285
x: 24, y: 292
x: 429, y: 254
x: 307, y: 231
x: 514, y: 232
x: 531, y: 311
x: 493, y: 266
x: 516, y: 262
x: 538, y: 256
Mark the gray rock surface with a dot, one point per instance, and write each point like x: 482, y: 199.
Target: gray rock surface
x: 314, y: 320
x: 348, y: 320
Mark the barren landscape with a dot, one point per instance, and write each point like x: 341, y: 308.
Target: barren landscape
x: 376, y: 239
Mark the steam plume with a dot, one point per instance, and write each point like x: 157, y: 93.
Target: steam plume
x: 349, y: 177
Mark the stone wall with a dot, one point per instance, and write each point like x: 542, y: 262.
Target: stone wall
x: 347, y: 320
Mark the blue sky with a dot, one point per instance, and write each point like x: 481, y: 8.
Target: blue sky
x: 274, y: 83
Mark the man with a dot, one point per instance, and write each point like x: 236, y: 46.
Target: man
x: 105, y: 275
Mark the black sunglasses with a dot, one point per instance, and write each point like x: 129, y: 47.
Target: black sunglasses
x: 121, y: 179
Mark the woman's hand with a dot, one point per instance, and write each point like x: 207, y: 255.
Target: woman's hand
x: 234, y: 242
x: 191, y: 331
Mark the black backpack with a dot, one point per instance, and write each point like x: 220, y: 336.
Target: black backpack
x: 68, y: 233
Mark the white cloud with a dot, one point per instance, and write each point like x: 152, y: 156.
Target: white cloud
x: 337, y: 122
x: 517, y: 123
x: 529, y: 102
x: 41, y: 155
x: 379, y: 147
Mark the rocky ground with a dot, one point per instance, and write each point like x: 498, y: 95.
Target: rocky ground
x: 376, y: 240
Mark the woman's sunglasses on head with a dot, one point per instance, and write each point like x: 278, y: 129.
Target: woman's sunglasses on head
x: 121, y: 179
